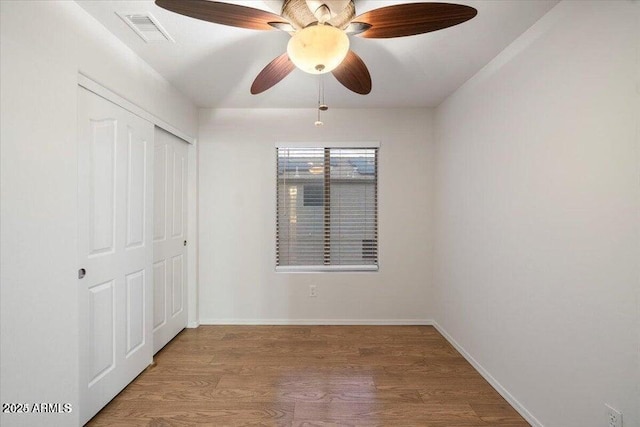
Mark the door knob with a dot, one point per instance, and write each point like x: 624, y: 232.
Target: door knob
x: 81, y: 273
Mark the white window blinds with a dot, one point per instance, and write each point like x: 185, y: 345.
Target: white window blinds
x: 327, y: 209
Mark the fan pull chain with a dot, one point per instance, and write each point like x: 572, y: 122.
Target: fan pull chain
x: 321, y: 104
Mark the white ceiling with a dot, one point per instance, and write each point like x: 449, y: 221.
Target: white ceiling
x: 214, y: 65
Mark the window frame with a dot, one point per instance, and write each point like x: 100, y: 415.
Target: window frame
x: 356, y: 268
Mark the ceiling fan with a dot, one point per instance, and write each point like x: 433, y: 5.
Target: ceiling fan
x: 320, y: 30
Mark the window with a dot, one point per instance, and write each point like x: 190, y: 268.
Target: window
x: 327, y: 209
x: 313, y: 195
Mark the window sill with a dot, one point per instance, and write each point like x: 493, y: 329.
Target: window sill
x: 327, y: 268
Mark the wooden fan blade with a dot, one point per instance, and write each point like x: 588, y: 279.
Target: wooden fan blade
x: 353, y: 74
x: 413, y: 18
x: 270, y: 75
x: 223, y: 13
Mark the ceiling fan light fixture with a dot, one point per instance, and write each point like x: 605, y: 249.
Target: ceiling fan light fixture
x: 319, y: 43
x: 318, y: 49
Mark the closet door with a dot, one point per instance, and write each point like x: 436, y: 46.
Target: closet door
x: 115, y: 208
x: 169, y: 238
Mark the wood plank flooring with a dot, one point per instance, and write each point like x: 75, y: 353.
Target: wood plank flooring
x: 309, y: 376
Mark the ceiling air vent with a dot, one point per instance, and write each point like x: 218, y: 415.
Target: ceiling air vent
x: 146, y: 26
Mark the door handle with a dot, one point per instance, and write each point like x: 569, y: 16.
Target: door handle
x: 81, y: 273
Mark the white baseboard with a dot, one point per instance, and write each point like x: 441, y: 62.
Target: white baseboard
x: 192, y: 325
x: 316, y: 322
x: 490, y: 379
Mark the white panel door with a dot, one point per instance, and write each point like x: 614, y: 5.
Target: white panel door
x: 115, y: 208
x: 169, y: 238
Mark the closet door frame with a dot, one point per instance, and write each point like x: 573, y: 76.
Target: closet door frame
x: 191, y: 186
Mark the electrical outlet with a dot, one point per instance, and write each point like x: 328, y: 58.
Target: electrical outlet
x: 313, y: 291
x: 614, y: 418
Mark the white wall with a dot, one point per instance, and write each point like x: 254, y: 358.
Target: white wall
x: 237, y: 218
x: 43, y: 46
x: 537, y: 205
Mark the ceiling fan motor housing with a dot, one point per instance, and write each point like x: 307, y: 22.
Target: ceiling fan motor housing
x: 324, y: 10
x: 302, y: 13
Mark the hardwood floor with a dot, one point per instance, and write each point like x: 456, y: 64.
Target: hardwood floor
x: 310, y: 376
